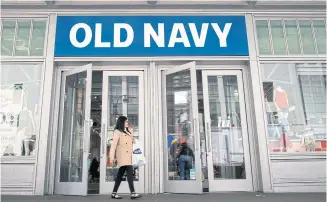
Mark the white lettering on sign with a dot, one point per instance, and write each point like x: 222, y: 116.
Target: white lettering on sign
x: 222, y: 35
x: 199, y: 40
x: 73, y: 34
x: 149, y: 33
x: 129, y: 32
x: 98, y: 37
x: 178, y: 35
x: 178, y: 29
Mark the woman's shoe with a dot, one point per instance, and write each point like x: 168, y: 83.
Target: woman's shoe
x: 115, y: 196
x: 136, y: 196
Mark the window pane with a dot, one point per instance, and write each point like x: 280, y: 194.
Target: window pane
x: 320, y: 32
x: 7, y: 38
x: 307, y: 37
x: 22, y: 38
x: 20, y: 96
x: 278, y: 37
x: 38, y: 35
x: 292, y: 37
x: 263, y: 37
x: 295, y: 106
x: 133, y: 100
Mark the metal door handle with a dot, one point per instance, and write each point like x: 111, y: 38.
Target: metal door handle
x: 85, y: 128
x: 103, y: 138
x: 196, y: 139
x: 209, y: 136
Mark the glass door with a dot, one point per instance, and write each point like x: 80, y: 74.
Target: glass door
x: 228, y: 153
x: 74, y: 132
x: 122, y: 94
x: 182, y: 163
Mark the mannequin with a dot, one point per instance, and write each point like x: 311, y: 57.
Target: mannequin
x: 24, y: 133
x: 282, y: 106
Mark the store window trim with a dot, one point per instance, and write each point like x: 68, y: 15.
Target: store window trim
x: 32, y: 22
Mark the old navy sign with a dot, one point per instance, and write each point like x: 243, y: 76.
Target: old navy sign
x: 141, y: 36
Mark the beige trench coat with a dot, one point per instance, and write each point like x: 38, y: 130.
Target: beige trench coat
x: 122, y: 147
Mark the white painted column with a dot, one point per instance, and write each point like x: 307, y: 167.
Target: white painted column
x: 259, y: 111
x: 42, y: 142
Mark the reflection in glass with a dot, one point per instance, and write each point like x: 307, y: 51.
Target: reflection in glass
x: 180, y: 137
x: 263, y: 37
x: 295, y: 106
x: 133, y: 100
x: 307, y: 37
x: 320, y: 33
x: 20, y: 96
x: 123, y: 100
x: 22, y: 37
x: 292, y: 37
x: 307, y: 33
x: 278, y: 37
x: 37, y: 38
x: 226, y: 128
x: 7, y: 37
x: 71, y: 162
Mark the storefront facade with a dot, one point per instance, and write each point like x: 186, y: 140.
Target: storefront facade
x: 244, y: 88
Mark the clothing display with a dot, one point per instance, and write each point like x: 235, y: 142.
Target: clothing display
x: 281, y: 99
x: 308, y: 139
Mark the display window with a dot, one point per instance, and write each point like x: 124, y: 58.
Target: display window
x: 20, y: 105
x: 295, y: 103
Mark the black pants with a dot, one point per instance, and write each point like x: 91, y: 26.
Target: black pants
x: 120, y: 174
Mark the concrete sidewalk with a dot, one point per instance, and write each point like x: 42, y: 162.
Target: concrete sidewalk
x: 217, y: 197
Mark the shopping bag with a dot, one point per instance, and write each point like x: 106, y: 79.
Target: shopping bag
x: 138, y: 158
x: 192, y: 174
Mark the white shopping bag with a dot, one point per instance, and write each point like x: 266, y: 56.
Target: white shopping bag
x: 138, y: 157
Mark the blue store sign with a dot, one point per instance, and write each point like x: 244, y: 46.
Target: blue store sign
x: 127, y: 36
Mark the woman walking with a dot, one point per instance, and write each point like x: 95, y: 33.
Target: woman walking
x: 122, y: 147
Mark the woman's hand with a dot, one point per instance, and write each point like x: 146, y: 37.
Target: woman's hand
x: 130, y: 129
x: 111, y: 162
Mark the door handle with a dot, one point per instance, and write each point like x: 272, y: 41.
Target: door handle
x: 208, y: 132
x: 195, y: 135
x: 103, y: 138
x: 86, y: 129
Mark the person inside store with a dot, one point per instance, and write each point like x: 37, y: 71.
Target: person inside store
x: 122, y: 149
x: 185, y: 161
x: 94, y: 170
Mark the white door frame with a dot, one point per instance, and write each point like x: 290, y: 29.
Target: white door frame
x: 227, y: 184
x: 107, y: 187
x: 74, y: 188
x: 183, y: 186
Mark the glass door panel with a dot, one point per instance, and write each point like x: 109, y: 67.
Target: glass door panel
x: 123, y: 94
x: 181, y: 129
x: 226, y: 127
x: 74, y: 136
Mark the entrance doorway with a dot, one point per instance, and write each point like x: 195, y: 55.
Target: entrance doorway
x: 90, y: 103
x: 74, y: 132
x: 205, y: 127
x: 122, y: 94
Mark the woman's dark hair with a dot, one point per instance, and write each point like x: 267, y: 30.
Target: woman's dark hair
x: 120, y: 124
